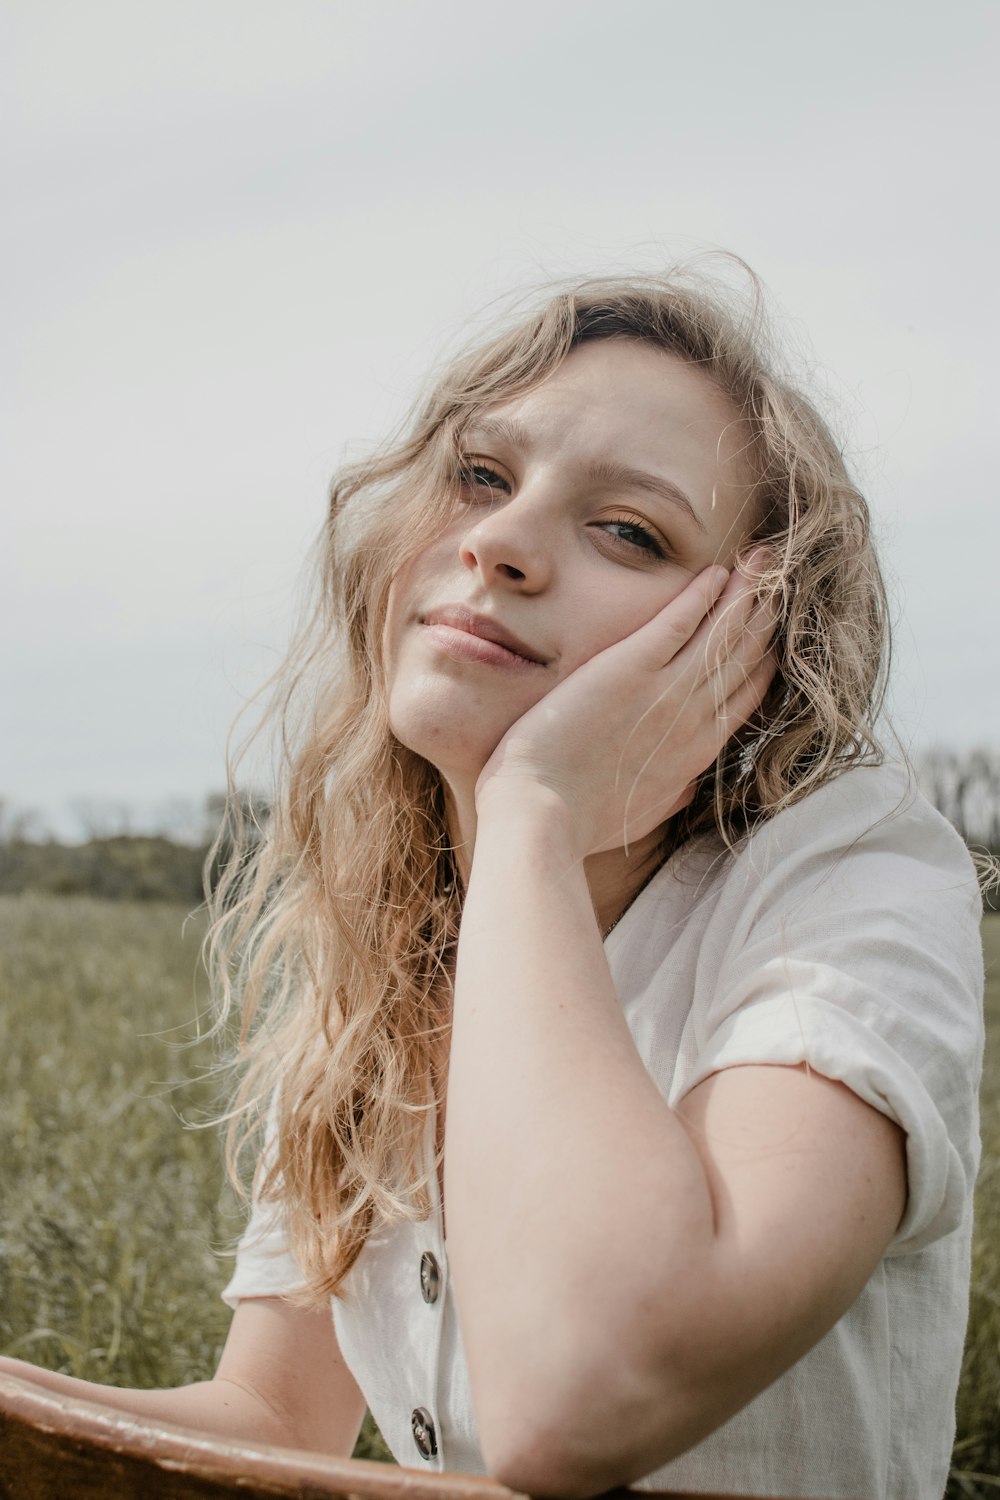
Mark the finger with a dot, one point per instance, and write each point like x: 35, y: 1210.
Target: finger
x: 713, y: 728
x: 755, y: 631
x: 725, y: 626
x: 733, y: 673
x: 739, y: 636
x: 746, y: 697
x: 668, y: 632
x: 727, y: 618
x: 677, y: 710
x: 745, y: 581
x: 699, y: 680
x: 757, y: 563
x: 693, y: 694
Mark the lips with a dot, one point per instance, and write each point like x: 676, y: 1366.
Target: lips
x: 459, y: 617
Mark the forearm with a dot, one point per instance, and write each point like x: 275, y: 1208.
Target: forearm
x: 281, y: 1379
x: 217, y: 1406
x: 561, y: 1152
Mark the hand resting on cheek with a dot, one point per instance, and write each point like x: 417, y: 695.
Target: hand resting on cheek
x: 625, y: 737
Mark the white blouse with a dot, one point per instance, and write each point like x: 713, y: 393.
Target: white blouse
x: 843, y: 933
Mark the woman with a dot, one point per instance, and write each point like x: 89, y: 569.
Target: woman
x: 618, y: 1007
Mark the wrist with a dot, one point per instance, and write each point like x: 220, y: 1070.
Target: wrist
x: 527, y: 807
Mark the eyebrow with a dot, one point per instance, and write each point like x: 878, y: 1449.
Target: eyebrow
x: 604, y: 471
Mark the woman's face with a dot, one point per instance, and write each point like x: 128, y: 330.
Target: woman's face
x: 587, y: 505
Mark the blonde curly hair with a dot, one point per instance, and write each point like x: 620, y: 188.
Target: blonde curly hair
x: 335, y: 931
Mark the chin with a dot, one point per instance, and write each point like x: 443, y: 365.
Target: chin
x: 458, y: 745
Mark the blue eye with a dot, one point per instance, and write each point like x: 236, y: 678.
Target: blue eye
x: 482, y: 476
x: 633, y: 534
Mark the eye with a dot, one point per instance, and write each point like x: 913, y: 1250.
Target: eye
x: 479, y: 475
x: 634, y: 535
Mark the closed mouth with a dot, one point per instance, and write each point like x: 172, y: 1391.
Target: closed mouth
x: 459, y: 617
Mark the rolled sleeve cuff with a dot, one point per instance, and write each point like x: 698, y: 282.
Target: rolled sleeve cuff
x: 790, y: 1029
x: 265, y: 1266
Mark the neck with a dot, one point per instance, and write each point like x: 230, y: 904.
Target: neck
x: 613, y: 877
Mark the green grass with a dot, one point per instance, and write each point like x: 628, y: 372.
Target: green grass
x: 115, y: 1223
x: 111, y: 1209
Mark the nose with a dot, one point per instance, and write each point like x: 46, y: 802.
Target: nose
x: 512, y: 546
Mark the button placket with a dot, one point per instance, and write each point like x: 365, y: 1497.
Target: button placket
x: 432, y: 1277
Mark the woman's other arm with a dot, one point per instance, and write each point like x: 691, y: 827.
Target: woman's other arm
x: 281, y: 1380
x: 627, y: 1275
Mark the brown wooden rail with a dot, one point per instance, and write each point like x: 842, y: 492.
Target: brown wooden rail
x: 56, y: 1448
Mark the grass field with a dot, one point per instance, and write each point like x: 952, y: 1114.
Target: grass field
x: 115, y: 1226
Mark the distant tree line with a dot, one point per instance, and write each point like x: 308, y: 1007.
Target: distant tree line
x: 117, y: 864
x: 120, y: 865
x: 126, y: 867
x: 966, y: 788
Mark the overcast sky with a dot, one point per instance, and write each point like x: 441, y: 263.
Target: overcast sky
x: 237, y: 233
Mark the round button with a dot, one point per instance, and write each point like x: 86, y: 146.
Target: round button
x: 430, y: 1277
x: 423, y: 1432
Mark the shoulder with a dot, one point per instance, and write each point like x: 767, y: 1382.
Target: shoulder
x: 862, y: 801
x: 863, y: 877
x: 862, y: 866
x: 867, y: 835
x: 846, y: 936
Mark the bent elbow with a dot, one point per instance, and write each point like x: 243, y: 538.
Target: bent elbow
x: 577, y: 1449
x: 542, y: 1465
x: 534, y: 1442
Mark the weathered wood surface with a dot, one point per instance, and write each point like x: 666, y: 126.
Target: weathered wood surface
x: 56, y: 1448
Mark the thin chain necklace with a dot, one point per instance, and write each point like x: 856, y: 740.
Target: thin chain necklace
x: 634, y: 897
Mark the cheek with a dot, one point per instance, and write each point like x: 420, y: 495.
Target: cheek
x: 414, y: 589
x: 390, y: 633
x: 402, y: 602
x: 603, y: 619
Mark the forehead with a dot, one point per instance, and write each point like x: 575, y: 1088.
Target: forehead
x: 621, y: 400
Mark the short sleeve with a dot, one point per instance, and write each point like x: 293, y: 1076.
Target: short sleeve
x: 847, y: 938
x: 265, y: 1265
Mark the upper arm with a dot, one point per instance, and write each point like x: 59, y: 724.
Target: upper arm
x: 289, y: 1358
x: 807, y: 1185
